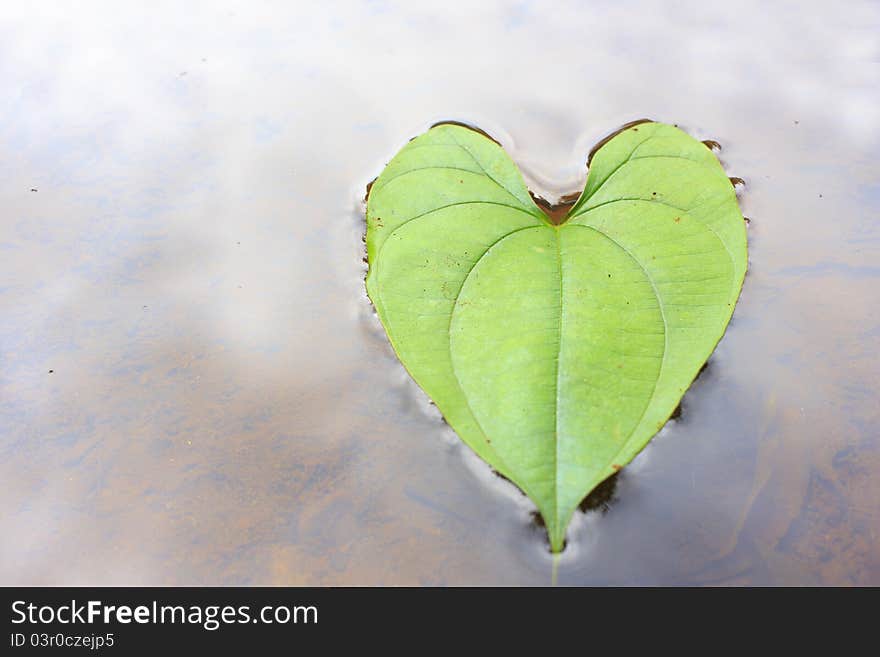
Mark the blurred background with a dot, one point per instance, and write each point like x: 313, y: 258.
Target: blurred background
x: 194, y: 389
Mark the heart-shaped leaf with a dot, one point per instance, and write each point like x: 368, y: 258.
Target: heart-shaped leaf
x: 555, y: 351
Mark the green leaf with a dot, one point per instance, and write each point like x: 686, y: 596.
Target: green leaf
x: 555, y: 351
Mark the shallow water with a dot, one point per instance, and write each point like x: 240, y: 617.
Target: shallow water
x: 193, y: 388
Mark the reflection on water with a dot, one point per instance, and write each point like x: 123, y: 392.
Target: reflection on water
x: 193, y: 388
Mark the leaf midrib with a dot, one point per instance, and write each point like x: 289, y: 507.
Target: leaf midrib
x: 558, y: 370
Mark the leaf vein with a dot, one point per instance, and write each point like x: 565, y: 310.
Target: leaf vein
x: 665, y: 332
x: 488, y: 175
x: 467, y: 402
x: 403, y: 174
x: 558, y: 371
x: 706, y: 224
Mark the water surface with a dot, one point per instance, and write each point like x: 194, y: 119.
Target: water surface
x: 193, y: 388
